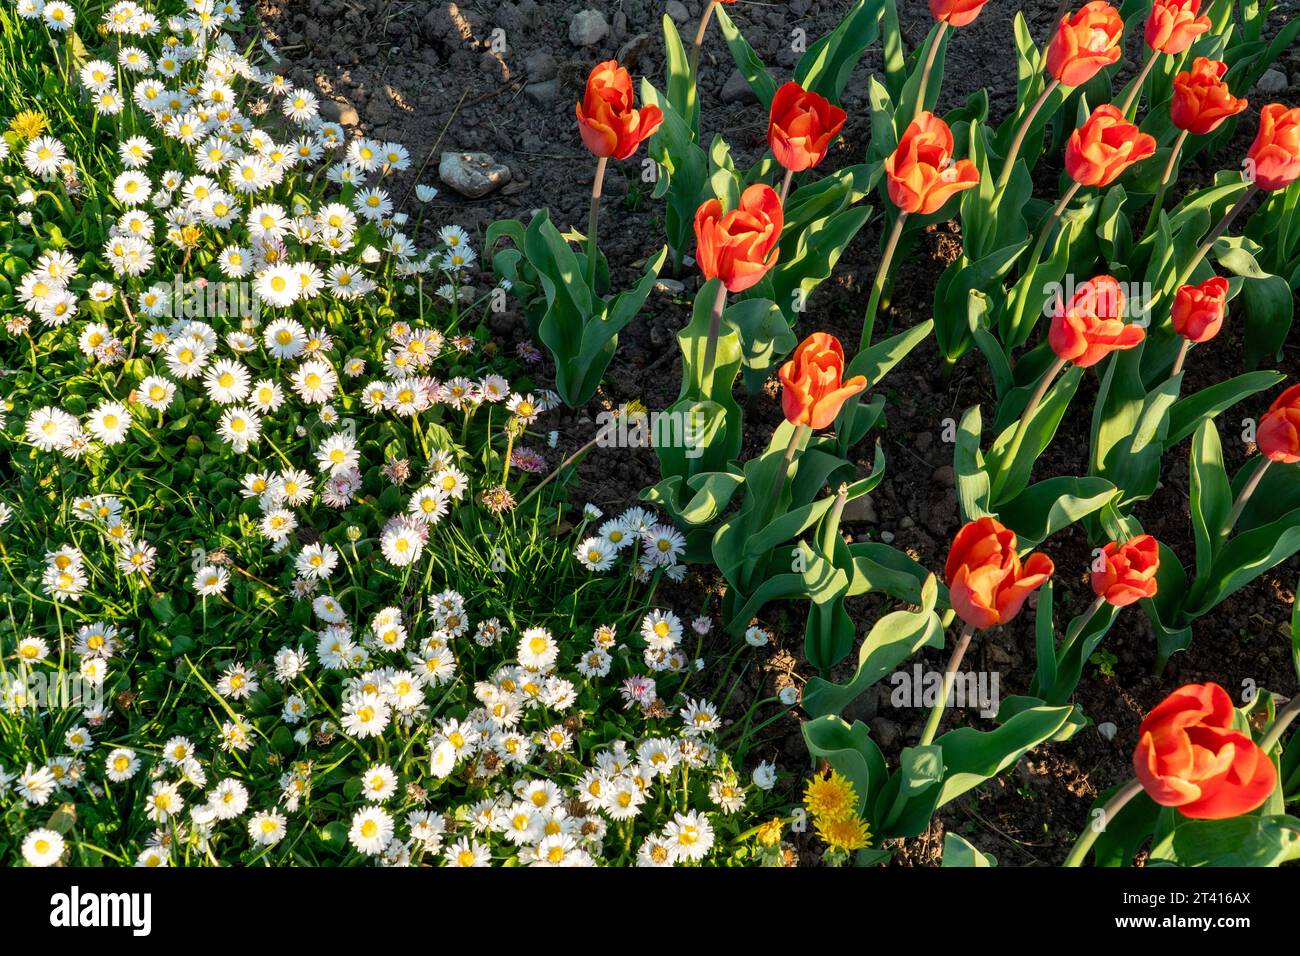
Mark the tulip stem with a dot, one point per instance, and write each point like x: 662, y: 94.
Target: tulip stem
x: 1214, y: 235
x: 1032, y: 267
x: 1136, y: 90
x: 593, y: 219
x: 925, y: 70
x: 785, y: 186
x: 1158, y: 202
x: 878, y: 286
x: 1098, y: 824
x: 1239, y: 505
x: 1022, y: 427
x: 705, y: 17
x: 778, y: 484
x: 1021, y: 133
x: 832, y: 528
x: 1080, y: 626
x: 1280, y: 723
x: 711, y: 344
x: 949, y: 675
x: 1182, y: 357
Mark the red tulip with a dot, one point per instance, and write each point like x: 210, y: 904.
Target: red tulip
x: 1174, y: 24
x: 813, y: 385
x: 1199, y: 309
x: 1129, y: 574
x: 1190, y: 756
x: 740, y: 246
x: 1085, y: 43
x: 1202, y: 101
x: 1278, y: 434
x: 1091, y: 326
x: 1274, y: 157
x: 801, y: 126
x: 956, y: 13
x: 987, y: 584
x: 921, y: 173
x: 1104, y: 146
x: 609, y: 124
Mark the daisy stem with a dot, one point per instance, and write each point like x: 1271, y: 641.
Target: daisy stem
x: 1170, y: 167
x: 563, y: 465
x: 832, y: 529
x: 1014, y: 151
x: 949, y: 674
x: 1022, y: 427
x: 1240, y: 504
x: 1135, y: 92
x: 925, y: 70
x: 1098, y: 825
x: 878, y: 286
x: 593, y: 219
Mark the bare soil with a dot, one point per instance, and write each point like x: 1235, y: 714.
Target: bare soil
x: 425, y: 73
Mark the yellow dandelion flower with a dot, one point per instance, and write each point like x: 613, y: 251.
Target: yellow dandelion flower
x: 831, y: 798
x: 28, y: 124
x: 769, y: 833
x: 848, y: 834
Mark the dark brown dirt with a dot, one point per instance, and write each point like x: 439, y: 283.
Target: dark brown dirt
x: 424, y: 73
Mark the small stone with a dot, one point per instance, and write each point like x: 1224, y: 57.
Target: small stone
x: 943, y: 475
x: 540, y: 66
x: 885, y: 732
x: 670, y: 286
x: 1273, y: 81
x: 677, y: 11
x: 348, y: 115
x: 923, y: 441
x: 472, y: 174
x: 588, y: 28
x: 887, y: 537
x: 1107, y: 729
x: 737, y: 89
x: 859, y: 510
x: 544, y: 93
x: 907, y: 522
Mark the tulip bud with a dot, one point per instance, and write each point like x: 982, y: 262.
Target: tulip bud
x: 1278, y: 434
x: 1085, y: 43
x: 921, y: 173
x: 813, y: 382
x: 1199, y: 309
x: 987, y: 584
x: 1130, y: 569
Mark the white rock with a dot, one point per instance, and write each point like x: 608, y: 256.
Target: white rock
x: 588, y: 28
x: 472, y: 174
x: 1107, y: 730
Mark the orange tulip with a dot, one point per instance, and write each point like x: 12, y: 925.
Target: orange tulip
x: 1274, y: 157
x: 1091, y: 325
x: 1085, y: 43
x: 813, y: 385
x: 1202, y: 101
x: 921, y: 173
x: 1104, y: 146
x: 609, y: 123
x: 1129, y: 574
x: 1190, y: 756
x: 1199, y: 309
x: 1278, y: 434
x: 801, y: 126
x: 987, y: 584
x: 740, y: 246
x: 1174, y: 24
x: 956, y: 13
